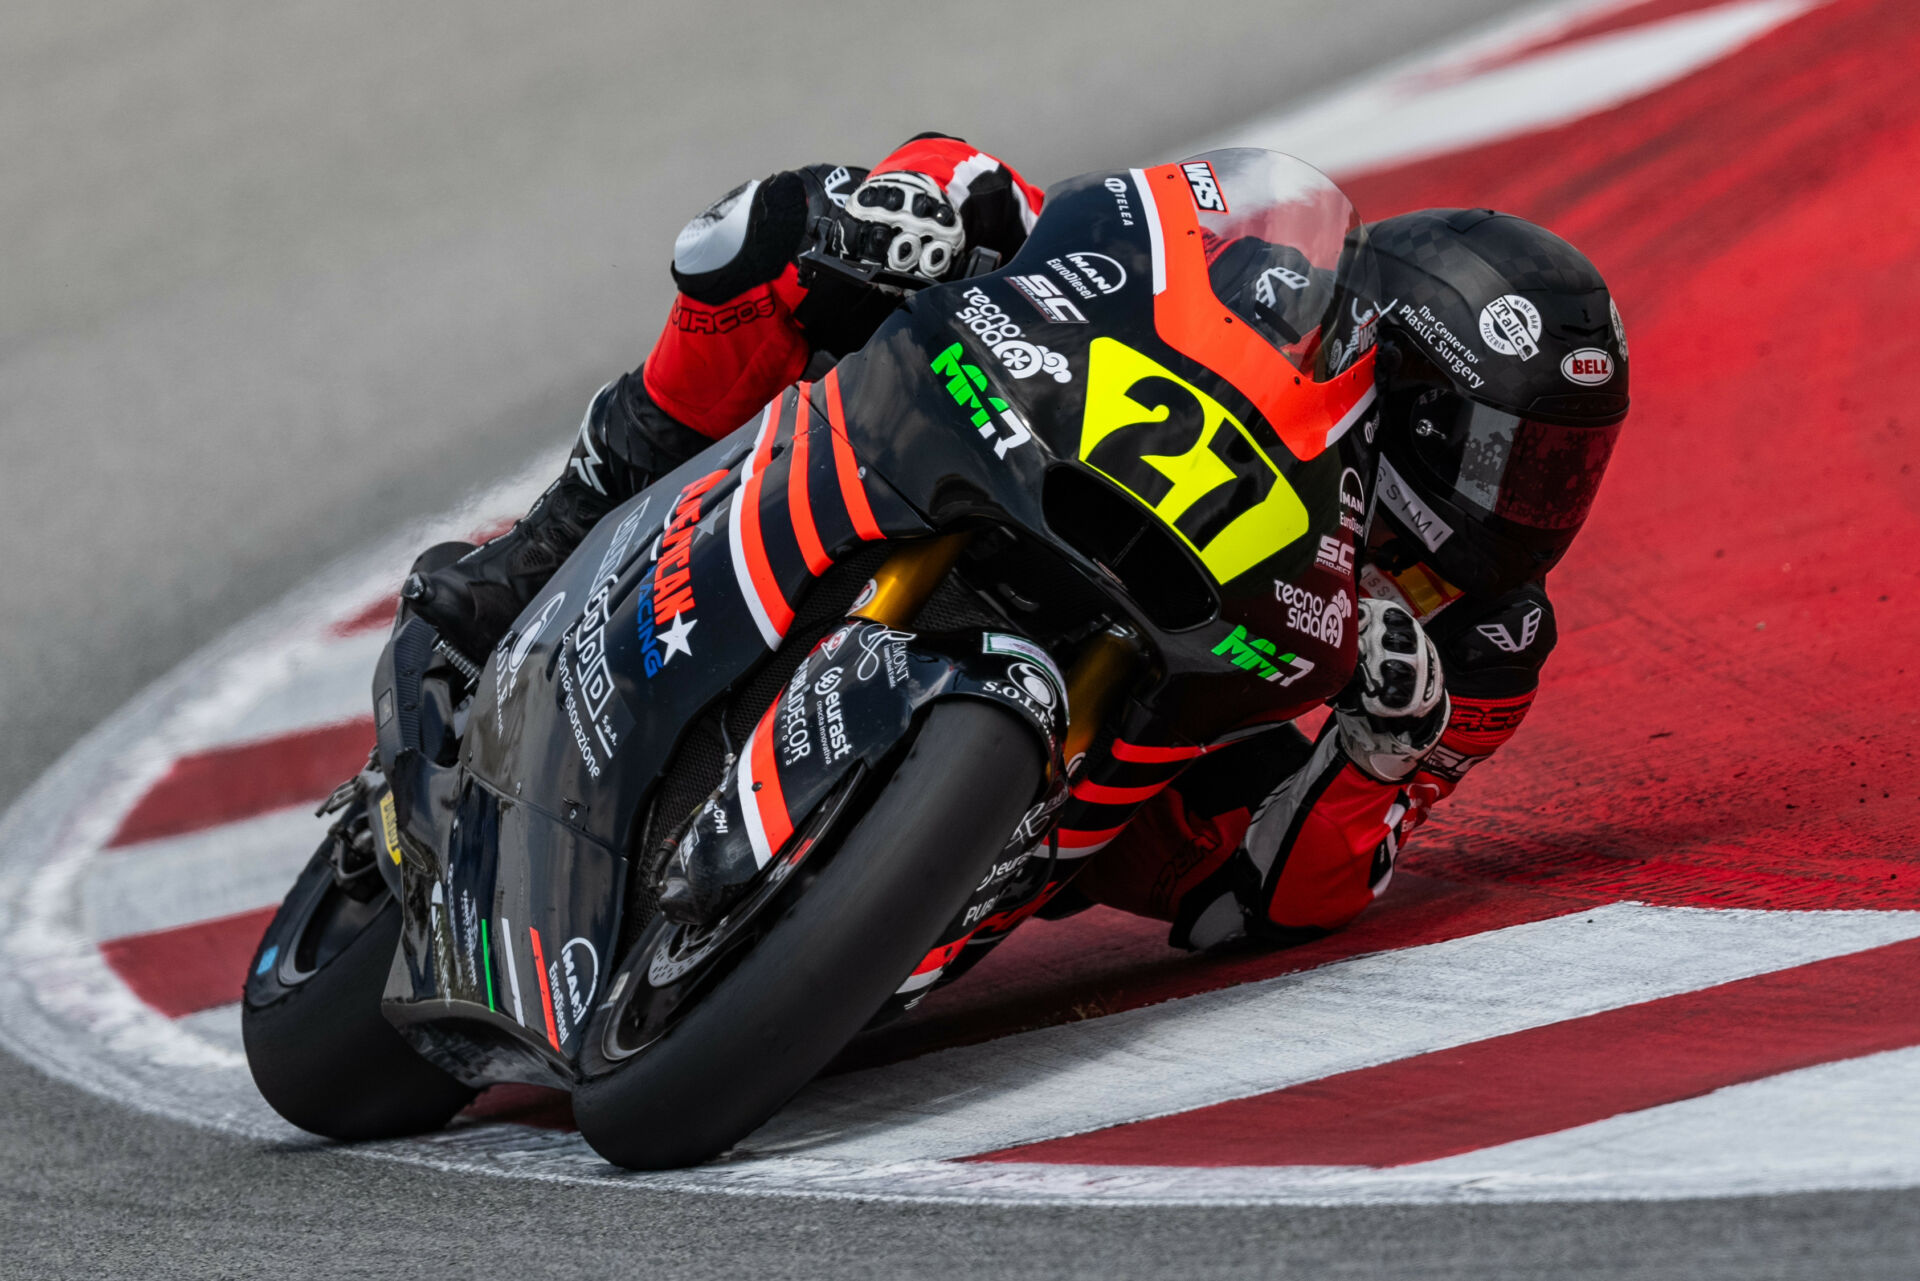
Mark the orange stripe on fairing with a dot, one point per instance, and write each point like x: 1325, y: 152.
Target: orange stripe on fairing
x: 799, y: 499
x: 546, y: 992
x: 1191, y: 319
x: 767, y: 797
x: 753, y: 547
x: 1138, y: 755
x: 852, y: 492
x: 1101, y: 794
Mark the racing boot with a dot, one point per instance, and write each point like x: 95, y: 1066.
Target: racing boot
x: 626, y: 442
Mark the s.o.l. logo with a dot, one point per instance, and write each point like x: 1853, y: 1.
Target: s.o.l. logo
x: 1589, y: 367
x: 1035, y: 682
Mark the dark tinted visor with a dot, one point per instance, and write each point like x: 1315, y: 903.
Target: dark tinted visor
x: 1499, y: 464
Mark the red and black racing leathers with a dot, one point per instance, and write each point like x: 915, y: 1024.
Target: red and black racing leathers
x: 1284, y: 838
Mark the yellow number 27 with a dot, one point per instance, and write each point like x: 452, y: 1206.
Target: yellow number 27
x: 1188, y: 460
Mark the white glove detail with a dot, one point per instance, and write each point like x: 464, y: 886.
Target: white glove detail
x: 927, y: 236
x: 1393, y: 711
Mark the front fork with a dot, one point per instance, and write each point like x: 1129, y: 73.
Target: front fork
x: 1101, y: 670
x: 907, y: 578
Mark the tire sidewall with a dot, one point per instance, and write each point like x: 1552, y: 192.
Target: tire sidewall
x: 901, y: 874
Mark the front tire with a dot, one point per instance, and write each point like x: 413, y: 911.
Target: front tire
x: 840, y: 948
x: 319, y: 1049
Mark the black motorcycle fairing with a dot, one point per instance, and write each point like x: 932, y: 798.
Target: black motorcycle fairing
x: 849, y: 706
x: 577, y: 713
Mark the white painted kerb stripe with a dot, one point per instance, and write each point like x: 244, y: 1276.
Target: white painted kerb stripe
x: 182, y: 880
x: 1264, y: 1036
x: 1433, y: 108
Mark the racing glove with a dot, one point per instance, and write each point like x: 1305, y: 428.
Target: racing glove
x: 898, y: 222
x: 1393, y: 711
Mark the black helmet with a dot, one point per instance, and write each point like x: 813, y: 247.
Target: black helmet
x: 1503, y: 381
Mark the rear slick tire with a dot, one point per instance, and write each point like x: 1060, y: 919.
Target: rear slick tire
x: 840, y: 949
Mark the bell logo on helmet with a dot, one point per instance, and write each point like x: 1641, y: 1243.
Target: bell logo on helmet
x: 1589, y: 367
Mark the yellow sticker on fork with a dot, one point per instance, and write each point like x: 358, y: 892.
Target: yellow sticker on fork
x: 390, y: 826
x: 1187, y: 460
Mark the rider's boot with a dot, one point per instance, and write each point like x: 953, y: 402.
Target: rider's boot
x: 626, y: 442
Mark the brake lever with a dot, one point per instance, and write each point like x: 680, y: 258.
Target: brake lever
x: 870, y: 274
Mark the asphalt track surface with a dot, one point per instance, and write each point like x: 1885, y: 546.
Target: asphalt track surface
x: 275, y: 282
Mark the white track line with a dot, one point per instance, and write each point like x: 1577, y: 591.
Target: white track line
x: 1850, y: 1123
x: 1246, y: 1040
x: 1441, y: 104
x: 322, y: 683
x: 157, y: 885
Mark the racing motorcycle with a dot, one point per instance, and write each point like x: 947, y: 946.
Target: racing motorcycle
x: 861, y: 684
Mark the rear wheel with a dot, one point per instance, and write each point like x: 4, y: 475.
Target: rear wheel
x: 844, y: 940
x: 320, y: 1051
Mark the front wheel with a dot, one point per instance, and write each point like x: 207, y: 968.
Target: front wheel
x: 840, y: 947
x: 319, y: 1049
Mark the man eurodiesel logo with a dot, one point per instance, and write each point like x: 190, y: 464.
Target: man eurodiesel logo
x: 1103, y: 273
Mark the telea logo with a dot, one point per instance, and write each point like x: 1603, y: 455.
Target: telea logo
x: 1589, y: 367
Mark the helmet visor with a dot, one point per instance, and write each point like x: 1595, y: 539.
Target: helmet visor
x: 1517, y: 469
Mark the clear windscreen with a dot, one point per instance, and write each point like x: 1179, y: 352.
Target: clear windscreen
x: 1287, y: 252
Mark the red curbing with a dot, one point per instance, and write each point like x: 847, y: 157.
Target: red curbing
x: 245, y: 780
x: 1540, y: 1081
x: 189, y: 968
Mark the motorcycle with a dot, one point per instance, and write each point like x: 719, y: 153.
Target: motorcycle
x: 859, y: 687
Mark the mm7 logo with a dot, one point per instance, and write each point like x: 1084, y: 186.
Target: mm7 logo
x: 995, y: 418
x: 1262, y: 657
x: 1501, y: 637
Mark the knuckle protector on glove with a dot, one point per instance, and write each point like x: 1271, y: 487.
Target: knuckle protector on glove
x: 1394, y: 710
x: 904, y: 221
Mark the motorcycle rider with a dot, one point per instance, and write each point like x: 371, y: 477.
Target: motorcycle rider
x: 1502, y: 374
x: 1489, y: 455
x: 749, y: 317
